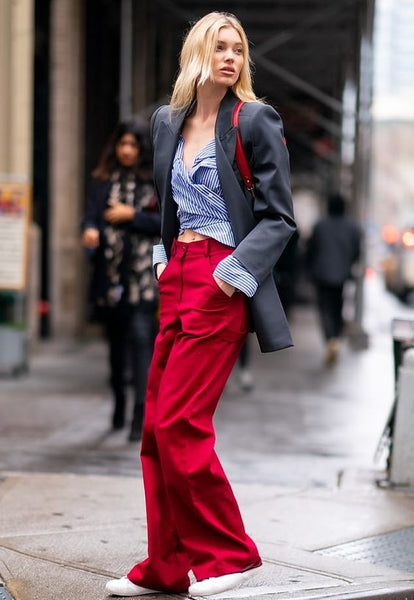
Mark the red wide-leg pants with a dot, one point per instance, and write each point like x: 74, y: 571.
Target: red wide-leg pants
x: 193, y: 519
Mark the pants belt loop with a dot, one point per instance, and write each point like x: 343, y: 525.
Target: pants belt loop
x: 174, y: 247
x: 207, y: 247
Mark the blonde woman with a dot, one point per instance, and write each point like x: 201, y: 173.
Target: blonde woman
x: 214, y: 266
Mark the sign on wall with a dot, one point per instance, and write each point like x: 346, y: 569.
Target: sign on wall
x: 15, y: 204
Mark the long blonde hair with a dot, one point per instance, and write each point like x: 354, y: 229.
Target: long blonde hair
x: 197, y: 57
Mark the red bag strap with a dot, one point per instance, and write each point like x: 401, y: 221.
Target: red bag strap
x: 241, y: 159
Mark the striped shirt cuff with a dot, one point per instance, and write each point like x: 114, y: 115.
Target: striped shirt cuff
x: 233, y: 272
x: 159, y: 255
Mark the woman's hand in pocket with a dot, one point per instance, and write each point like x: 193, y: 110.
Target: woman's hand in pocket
x: 225, y: 287
x: 160, y: 268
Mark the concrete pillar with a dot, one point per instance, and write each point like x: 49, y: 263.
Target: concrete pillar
x: 5, y: 18
x: 16, y: 131
x: 16, y: 81
x: 363, y: 145
x: 66, y: 165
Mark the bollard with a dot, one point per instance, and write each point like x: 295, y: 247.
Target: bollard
x: 402, y: 458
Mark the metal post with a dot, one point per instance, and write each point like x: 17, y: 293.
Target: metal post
x: 362, y: 163
x: 125, y: 83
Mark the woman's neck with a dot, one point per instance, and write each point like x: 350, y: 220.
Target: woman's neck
x: 208, y: 101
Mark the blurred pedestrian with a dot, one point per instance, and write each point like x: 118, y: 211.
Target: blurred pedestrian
x: 244, y: 373
x: 120, y: 227
x: 286, y: 273
x: 333, y: 248
x: 219, y: 248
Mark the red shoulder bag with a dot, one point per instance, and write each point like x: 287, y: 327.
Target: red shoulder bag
x: 241, y: 159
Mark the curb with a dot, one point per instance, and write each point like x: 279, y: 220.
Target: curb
x: 4, y: 594
x: 402, y: 593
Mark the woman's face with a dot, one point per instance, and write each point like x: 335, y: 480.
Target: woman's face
x: 127, y: 150
x: 228, y: 58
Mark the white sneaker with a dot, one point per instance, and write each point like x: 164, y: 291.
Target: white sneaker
x: 216, y: 585
x: 125, y: 587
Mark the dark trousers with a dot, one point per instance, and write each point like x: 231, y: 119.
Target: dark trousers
x: 330, y: 304
x: 193, y: 519
x: 244, y: 356
x: 131, y: 333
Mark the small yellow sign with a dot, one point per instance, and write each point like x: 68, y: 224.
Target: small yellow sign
x: 15, y: 210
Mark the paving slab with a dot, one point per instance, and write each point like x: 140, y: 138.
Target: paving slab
x: 63, y: 536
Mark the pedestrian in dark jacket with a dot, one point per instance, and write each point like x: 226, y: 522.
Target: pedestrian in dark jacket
x: 120, y: 227
x: 333, y: 248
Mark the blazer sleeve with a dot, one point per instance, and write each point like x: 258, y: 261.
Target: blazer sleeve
x: 260, y: 250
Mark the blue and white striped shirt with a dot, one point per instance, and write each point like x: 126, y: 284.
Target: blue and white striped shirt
x: 201, y: 207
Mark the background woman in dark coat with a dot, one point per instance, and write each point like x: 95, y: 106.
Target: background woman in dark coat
x: 120, y: 226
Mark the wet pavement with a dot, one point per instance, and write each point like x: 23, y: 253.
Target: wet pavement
x: 298, y: 448
x: 302, y: 423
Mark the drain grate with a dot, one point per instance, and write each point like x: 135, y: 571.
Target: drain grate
x: 394, y: 550
x: 4, y: 594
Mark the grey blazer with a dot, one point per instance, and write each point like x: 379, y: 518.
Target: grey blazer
x: 262, y: 226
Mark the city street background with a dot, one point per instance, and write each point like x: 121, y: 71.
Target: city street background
x: 299, y: 448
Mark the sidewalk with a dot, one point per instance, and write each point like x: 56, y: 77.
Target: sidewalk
x: 63, y: 536
x: 306, y: 488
